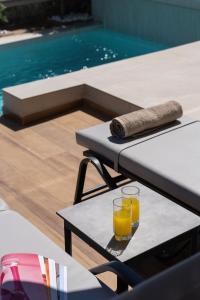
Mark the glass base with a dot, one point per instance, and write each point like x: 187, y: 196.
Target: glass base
x: 121, y: 238
x: 135, y: 225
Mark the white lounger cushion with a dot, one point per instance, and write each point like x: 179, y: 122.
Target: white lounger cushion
x: 98, y: 138
x: 168, y: 159
x: 170, y: 162
x: 19, y: 236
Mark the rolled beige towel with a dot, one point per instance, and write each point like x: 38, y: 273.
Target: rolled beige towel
x: 129, y: 124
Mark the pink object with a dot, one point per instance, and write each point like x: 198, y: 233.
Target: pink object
x: 29, y: 276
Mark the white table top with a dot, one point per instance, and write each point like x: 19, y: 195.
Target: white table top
x: 160, y: 221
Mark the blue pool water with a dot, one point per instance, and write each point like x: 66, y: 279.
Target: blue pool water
x: 63, y: 53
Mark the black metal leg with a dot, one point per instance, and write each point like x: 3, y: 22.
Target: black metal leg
x: 80, y: 180
x: 110, y: 183
x: 121, y: 286
x: 68, y: 240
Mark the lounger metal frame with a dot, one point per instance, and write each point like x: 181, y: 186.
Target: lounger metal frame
x: 111, y: 183
x: 99, y: 164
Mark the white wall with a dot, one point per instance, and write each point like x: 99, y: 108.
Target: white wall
x: 168, y: 21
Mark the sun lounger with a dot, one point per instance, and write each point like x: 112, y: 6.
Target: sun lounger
x: 181, y: 282
x: 19, y: 236
x: 166, y: 159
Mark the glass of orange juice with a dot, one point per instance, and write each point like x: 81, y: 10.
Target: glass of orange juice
x: 131, y: 194
x: 122, y: 219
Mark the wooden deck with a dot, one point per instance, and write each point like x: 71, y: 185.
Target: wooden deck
x: 39, y: 166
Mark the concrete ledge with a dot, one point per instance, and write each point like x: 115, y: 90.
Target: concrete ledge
x: 18, y: 38
x: 115, y: 88
x: 106, y: 102
x: 53, y: 103
x: 41, y: 105
x: 52, y: 112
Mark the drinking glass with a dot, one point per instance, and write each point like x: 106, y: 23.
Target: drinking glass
x: 122, y: 222
x: 132, y: 193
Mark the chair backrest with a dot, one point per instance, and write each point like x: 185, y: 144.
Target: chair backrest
x: 180, y: 282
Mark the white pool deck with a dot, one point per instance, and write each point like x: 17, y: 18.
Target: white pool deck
x: 117, y: 87
x: 18, y: 38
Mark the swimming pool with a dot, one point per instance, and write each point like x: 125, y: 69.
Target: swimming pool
x: 63, y: 53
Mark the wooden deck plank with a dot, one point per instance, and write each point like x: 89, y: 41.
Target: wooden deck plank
x: 39, y: 166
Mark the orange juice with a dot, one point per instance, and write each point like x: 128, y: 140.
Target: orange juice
x: 135, y: 208
x: 126, y: 203
x: 122, y: 224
